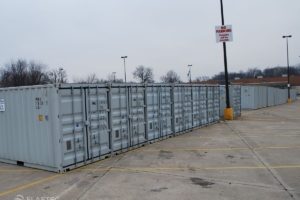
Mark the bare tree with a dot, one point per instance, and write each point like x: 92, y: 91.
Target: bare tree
x: 143, y: 74
x: 21, y: 73
x: 112, y: 78
x: 201, y: 78
x: 92, y: 78
x: 37, y: 73
x: 170, y: 77
x: 57, y: 76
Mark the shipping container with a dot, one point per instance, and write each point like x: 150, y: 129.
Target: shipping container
x: 52, y: 129
x: 234, y: 99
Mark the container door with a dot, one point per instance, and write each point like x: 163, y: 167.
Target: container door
x: 74, y: 138
x: 178, y: 109
x: 97, y: 122
x: 210, y: 104
x: 196, y: 106
x: 203, y: 105
x: 187, y: 96
x: 216, y: 104
x: 136, y: 112
x: 236, y: 98
x: 152, y: 95
x: 120, y: 119
x: 165, y: 111
x: 182, y: 108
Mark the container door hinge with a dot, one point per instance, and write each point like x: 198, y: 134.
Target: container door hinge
x: 60, y: 140
x: 87, y: 123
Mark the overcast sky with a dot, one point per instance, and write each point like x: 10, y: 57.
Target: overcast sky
x: 90, y: 36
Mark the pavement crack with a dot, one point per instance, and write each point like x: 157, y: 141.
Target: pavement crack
x: 251, y: 149
x: 214, y: 180
x: 100, y: 177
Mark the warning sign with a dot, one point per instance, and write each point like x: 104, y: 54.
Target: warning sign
x: 224, y: 33
x: 2, y: 105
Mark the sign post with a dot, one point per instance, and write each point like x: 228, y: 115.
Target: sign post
x: 224, y: 34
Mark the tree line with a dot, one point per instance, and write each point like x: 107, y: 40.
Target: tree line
x: 21, y: 73
x: 269, y: 72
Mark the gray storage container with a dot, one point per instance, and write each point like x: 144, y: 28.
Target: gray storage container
x: 53, y: 128
x: 234, y: 98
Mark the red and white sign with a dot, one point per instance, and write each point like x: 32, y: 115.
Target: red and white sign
x: 224, y: 33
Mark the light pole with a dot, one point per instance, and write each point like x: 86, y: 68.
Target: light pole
x: 60, y: 73
x: 190, y: 66
x: 114, y: 73
x: 124, y: 67
x: 289, y: 100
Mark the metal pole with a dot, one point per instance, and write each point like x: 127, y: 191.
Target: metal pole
x: 225, y: 61
x: 288, y: 65
x: 190, y: 73
x: 125, y: 70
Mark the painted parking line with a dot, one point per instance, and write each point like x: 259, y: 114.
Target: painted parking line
x: 243, y: 129
x: 216, y: 149
x: 265, y: 129
x: 247, y: 113
x: 28, y: 185
x: 189, y: 168
x: 20, y: 170
x: 231, y: 137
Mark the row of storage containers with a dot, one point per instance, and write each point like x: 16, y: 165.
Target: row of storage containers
x: 64, y: 126
x: 234, y: 99
x: 255, y: 97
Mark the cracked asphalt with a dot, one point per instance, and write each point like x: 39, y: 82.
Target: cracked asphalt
x: 255, y: 156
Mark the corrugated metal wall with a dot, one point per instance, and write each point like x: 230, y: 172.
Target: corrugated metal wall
x: 61, y: 127
x: 29, y: 125
x: 255, y: 97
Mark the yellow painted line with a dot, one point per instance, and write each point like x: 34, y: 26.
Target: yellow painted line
x: 190, y: 168
x: 208, y: 149
x: 287, y: 147
x: 20, y: 170
x: 218, y: 149
x: 29, y: 185
x: 249, y: 112
x: 234, y: 137
x: 265, y: 129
